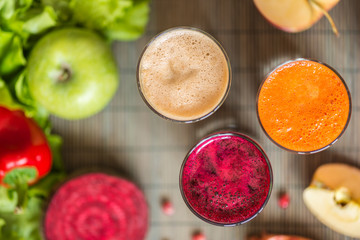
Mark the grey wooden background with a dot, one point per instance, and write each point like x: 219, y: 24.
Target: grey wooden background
x: 128, y: 137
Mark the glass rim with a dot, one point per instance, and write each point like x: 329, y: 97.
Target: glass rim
x: 348, y: 117
x: 228, y: 82
x: 226, y: 133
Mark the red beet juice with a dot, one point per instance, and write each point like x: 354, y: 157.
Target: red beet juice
x: 226, y: 179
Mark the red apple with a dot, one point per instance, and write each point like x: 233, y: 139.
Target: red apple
x: 295, y: 15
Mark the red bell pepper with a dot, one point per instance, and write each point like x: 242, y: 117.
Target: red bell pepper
x: 25, y: 155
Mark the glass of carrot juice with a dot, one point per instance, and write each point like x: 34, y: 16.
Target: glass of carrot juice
x: 304, y: 106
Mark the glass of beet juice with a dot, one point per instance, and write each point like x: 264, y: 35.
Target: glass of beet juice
x: 226, y: 179
x: 304, y: 106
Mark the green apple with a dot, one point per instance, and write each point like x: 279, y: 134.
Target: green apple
x: 72, y: 73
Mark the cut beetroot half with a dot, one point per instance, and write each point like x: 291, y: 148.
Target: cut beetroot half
x: 97, y: 206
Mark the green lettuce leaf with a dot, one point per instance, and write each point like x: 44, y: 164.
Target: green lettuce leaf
x: 41, y: 21
x: 28, y: 19
x: 25, y: 225
x: 9, y: 12
x: 116, y: 19
x: 2, y: 223
x: 8, y: 200
x: 43, y: 188
x: 55, y: 143
x: 32, y: 23
x: 6, y: 98
x: 100, y: 13
x: 132, y: 25
x: 10, y: 8
x: 61, y: 8
x: 16, y: 95
x: 11, y: 53
x: 32, y: 109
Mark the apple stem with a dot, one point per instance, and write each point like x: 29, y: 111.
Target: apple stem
x: 65, y: 74
x: 327, y: 15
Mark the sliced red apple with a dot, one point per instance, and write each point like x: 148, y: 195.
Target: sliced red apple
x: 334, y: 198
x: 295, y: 15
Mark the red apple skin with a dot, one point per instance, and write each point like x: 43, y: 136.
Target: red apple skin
x: 294, y: 30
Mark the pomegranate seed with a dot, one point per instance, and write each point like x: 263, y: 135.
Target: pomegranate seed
x: 198, y: 236
x: 284, y: 200
x: 168, y: 208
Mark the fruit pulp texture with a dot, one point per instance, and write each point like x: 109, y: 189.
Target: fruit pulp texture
x: 184, y: 74
x: 226, y: 179
x: 303, y: 105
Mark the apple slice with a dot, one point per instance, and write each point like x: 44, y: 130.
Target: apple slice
x: 334, y: 198
x: 336, y: 175
x: 295, y: 15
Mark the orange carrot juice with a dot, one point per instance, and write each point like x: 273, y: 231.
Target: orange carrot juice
x: 304, y: 106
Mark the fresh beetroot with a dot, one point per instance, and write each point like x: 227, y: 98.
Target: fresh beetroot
x: 97, y: 206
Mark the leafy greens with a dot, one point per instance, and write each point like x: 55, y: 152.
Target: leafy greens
x: 26, y: 225
x: 22, y: 23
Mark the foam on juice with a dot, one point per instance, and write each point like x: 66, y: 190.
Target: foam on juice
x: 183, y: 74
x: 303, y: 105
x: 226, y: 179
